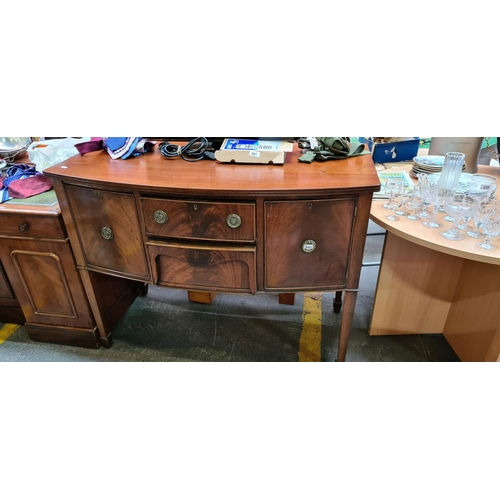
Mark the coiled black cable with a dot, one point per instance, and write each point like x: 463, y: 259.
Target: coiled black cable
x: 187, y: 152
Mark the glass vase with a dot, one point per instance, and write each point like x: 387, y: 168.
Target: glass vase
x: 452, y: 168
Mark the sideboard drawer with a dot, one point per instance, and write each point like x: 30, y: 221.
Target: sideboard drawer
x: 218, y: 268
x: 32, y: 226
x: 108, y: 228
x: 308, y: 243
x: 199, y: 219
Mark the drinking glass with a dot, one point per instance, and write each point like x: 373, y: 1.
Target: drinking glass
x: 406, y: 197
x: 392, y: 187
x: 454, y: 206
x: 397, y: 201
x: 471, y: 203
x: 437, y: 197
x: 481, y: 214
x: 482, y: 185
x: 415, y: 202
x: 425, y: 182
x: 448, y: 217
x: 491, y: 229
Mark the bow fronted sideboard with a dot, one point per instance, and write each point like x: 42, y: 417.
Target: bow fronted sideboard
x: 217, y: 227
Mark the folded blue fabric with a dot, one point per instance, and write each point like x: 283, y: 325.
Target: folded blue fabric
x: 126, y: 147
x: 131, y: 148
x: 115, y: 143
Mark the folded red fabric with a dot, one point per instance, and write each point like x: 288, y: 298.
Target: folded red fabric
x: 95, y: 144
x: 24, y: 188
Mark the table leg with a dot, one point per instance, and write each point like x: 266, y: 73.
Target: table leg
x: 337, y: 303
x: 350, y: 297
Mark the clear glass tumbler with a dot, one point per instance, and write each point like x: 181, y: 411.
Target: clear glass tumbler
x: 482, y: 185
x: 452, y: 168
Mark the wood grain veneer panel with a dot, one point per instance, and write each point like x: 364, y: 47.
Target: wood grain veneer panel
x: 230, y: 269
x: 473, y: 324
x: 199, y: 220
x: 44, y: 280
x: 328, y: 223
x: 95, y: 210
x: 5, y: 289
x: 415, y: 289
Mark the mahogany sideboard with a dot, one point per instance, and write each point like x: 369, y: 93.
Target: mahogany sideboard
x: 217, y: 227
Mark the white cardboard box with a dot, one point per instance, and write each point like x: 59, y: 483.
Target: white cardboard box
x: 254, y: 151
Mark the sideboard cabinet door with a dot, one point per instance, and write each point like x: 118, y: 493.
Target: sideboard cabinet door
x: 308, y: 243
x: 108, y: 227
x: 47, y: 283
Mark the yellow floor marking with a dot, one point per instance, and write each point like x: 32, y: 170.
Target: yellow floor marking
x: 6, y: 331
x: 310, y: 338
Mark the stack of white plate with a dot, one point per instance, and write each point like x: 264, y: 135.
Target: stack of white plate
x: 430, y: 164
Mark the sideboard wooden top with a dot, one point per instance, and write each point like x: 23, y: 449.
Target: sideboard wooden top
x: 152, y: 172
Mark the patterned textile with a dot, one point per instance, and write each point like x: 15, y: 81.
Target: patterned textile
x: 16, y: 171
x: 125, y: 147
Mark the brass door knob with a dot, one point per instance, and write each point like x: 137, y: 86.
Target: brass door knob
x: 107, y: 233
x: 308, y: 246
x: 161, y: 217
x: 233, y: 221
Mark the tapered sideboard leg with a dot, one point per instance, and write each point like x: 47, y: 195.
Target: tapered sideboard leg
x: 350, y: 297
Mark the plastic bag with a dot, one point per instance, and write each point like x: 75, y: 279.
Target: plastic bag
x: 46, y: 153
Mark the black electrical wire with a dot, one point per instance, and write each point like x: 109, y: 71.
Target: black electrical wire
x: 187, y: 152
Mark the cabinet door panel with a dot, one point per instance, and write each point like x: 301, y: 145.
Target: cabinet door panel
x: 48, y: 296
x: 108, y: 227
x: 47, y: 283
x: 308, y: 243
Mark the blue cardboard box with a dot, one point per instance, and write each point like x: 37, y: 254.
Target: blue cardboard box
x: 388, y: 152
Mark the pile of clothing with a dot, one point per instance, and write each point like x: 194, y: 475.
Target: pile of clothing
x: 117, y: 147
x: 20, y: 180
x: 124, y: 147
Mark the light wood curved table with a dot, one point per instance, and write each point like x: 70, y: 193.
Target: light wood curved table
x: 428, y: 284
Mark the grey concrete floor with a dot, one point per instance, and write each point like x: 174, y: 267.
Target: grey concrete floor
x: 165, y: 326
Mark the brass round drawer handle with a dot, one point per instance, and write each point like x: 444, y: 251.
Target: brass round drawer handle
x: 161, y: 217
x: 24, y: 226
x: 308, y: 246
x: 233, y: 221
x: 107, y: 233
